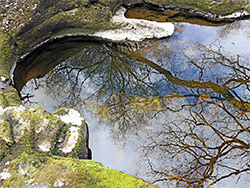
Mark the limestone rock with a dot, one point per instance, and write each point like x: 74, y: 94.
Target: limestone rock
x: 135, y: 29
x: 34, y: 128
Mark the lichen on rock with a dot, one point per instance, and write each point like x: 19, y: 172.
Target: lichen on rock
x: 34, y: 128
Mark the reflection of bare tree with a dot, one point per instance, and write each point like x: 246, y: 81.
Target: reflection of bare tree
x: 201, y: 143
x: 203, y: 106
x: 204, y: 143
x: 234, y: 28
x: 240, y: 76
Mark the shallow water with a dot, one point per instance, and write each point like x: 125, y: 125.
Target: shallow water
x: 175, y: 108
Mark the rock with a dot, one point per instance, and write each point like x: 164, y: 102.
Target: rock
x: 135, y: 29
x: 34, y: 128
x: 40, y: 149
x: 37, y: 170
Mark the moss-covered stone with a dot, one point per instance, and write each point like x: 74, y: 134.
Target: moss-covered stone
x: 9, y: 98
x: 5, y: 133
x: 32, y: 141
x: 35, y: 169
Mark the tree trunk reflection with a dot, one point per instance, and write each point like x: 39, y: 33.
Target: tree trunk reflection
x: 202, y: 106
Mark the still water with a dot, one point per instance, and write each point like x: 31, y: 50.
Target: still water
x: 173, y: 111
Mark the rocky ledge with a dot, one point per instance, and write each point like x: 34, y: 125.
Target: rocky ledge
x: 40, y: 149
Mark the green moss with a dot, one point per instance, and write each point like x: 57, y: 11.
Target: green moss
x: 61, y: 112
x: 222, y: 7
x: 7, y: 53
x: 5, y: 132
x: 3, y: 100
x: 10, y: 98
x: 72, y: 172
x: 4, y: 149
x: 80, y: 149
x: 13, y: 98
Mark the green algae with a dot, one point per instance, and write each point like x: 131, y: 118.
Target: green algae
x: 6, y: 133
x: 7, y: 51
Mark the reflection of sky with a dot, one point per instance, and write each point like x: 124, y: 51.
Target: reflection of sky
x: 235, y: 40
x: 195, y: 33
x: 101, y: 141
x: 125, y: 156
x: 231, y: 183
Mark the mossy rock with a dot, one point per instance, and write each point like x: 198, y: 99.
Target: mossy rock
x: 34, y: 170
x: 9, y: 98
x: 32, y: 128
x: 40, y: 149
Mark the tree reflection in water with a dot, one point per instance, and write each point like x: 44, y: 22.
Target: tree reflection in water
x: 201, y: 102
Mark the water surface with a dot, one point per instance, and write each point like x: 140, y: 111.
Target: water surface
x: 174, y: 111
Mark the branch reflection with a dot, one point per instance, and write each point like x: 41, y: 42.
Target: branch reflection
x: 199, y: 97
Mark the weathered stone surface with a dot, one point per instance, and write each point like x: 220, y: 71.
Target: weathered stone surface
x: 34, y: 128
x: 135, y: 29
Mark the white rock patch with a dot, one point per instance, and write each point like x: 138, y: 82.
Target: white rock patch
x: 19, y: 109
x: 6, y: 139
x: 23, y: 170
x: 42, y: 126
x: 236, y: 15
x: 45, y: 146
x: 136, y: 29
x: 59, y: 183
x: 1, y: 110
x: 72, y: 140
x: 3, y: 78
x: 30, y: 181
x: 72, y: 116
x: 5, y: 174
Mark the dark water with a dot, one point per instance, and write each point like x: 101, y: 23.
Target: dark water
x: 174, y: 111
